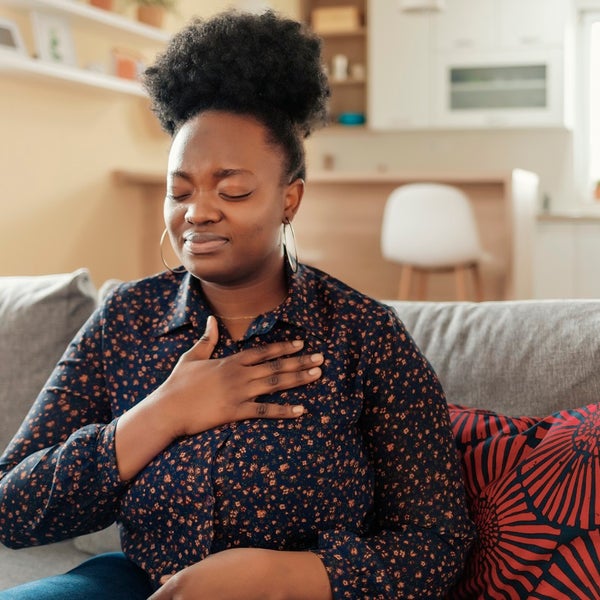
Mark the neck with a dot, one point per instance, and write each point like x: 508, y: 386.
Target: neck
x: 245, y: 301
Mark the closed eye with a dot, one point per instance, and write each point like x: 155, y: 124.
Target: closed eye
x: 177, y: 198
x: 235, y: 196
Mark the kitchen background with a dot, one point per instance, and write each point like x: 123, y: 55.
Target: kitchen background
x: 83, y: 160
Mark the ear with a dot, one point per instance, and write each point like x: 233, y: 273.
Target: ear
x: 293, y: 198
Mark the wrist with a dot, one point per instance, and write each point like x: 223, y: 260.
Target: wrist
x: 142, y: 433
x: 300, y: 576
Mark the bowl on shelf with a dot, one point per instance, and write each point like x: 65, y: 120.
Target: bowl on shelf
x: 351, y: 118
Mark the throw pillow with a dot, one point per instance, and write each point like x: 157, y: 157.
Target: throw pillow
x: 532, y: 489
x: 39, y: 315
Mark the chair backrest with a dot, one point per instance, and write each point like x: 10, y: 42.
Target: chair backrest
x: 429, y: 225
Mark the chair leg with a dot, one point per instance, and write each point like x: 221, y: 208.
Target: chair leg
x: 461, y: 283
x: 478, y: 283
x: 405, y: 280
x: 422, y: 286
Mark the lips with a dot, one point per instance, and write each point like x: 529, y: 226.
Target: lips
x: 203, y: 243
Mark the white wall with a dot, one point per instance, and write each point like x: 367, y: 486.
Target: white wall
x: 546, y: 152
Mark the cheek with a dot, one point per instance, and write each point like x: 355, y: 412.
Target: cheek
x: 173, y: 215
x: 264, y: 233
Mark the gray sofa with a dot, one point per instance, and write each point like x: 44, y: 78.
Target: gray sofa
x: 516, y: 358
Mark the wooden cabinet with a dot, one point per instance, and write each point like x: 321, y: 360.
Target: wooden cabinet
x: 354, y: 203
x: 400, y: 68
x: 84, y: 18
x: 348, y: 84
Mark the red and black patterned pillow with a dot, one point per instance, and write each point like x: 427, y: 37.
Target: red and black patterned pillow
x: 533, y: 489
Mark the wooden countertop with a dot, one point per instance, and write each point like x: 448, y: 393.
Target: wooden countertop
x: 339, y: 177
x: 591, y: 216
x: 398, y: 176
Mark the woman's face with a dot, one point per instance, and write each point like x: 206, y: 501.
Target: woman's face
x: 225, y: 199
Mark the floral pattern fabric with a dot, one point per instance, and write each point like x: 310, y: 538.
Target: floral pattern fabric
x: 533, y: 493
x: 368, y: 478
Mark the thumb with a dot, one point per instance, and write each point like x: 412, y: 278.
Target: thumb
x: 204, y: 347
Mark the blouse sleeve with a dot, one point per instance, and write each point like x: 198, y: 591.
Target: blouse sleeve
x: 417, y: 544
x: 58, y: 475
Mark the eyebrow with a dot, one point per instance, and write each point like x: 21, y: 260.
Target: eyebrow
x: 218, y: 174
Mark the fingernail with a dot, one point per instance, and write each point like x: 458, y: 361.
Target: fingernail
x: 297, y: 343
x: 298, y: 410
x: 314, y: 371
x: 316, y: 357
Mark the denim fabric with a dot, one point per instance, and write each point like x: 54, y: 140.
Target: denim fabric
x: 105, y: 577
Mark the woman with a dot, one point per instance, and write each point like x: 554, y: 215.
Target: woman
x: 258, y: 429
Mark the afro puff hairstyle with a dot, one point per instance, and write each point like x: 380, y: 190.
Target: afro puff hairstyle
x: 264, y: 66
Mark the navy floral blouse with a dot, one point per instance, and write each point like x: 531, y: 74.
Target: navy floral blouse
x: 368, y: 478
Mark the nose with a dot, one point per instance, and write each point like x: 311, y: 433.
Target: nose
x: 202, y: 208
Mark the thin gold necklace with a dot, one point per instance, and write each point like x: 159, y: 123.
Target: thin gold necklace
x: 244, y: 317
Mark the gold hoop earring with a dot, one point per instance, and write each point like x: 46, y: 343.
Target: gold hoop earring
x: 164, y: 262
x: 290, y: 253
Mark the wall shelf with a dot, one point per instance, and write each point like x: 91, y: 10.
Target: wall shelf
x: 348, y: 81
x: 348, y: 95
x: 362, y: 32
x: 32, y: 68
x: 87, y: 17
x: 92, y: 16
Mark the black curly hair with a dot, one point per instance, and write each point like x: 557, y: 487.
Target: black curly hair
x: 265, y: 66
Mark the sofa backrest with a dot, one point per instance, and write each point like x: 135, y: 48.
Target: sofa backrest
x: 39, y: 315
x: 522, y: 357
x: 531, y: 357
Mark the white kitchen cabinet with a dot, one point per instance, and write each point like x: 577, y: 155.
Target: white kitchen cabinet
x: 465, y: 25
x: 532, y: 23
x: 500, y: 24
x: 587, y: 271
x: 500, y: 89
x: 475, y: 64
x: 554, y: 260
x: 567, y: 259
x: 400, y: 68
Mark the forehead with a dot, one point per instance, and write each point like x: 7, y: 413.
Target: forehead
x: 224, y: 140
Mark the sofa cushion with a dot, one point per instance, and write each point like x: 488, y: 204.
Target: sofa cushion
x: 531, y: 357
x: 532, y: 490
x: 38, y: 317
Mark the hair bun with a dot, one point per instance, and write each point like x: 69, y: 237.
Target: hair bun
x: 242, y: 62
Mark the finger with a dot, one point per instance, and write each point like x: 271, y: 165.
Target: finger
x: 162, y: 593
x: 303, y: 362
x: 267, y: 410
x: 276, y: 382
x: 261, y: 354
x: 204, y: 347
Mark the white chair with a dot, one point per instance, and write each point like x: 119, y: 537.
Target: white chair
x: 430, y: 228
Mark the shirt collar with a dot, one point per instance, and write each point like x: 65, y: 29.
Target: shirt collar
x: 301, y: 308
x: 185, y: 307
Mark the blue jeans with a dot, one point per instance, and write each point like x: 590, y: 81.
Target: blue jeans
x: 105, y: 577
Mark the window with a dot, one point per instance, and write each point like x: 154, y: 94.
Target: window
x: 594, y: 101
x: 587, y: 141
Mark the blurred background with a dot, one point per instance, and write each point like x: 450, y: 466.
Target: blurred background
x: 457, y: 91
